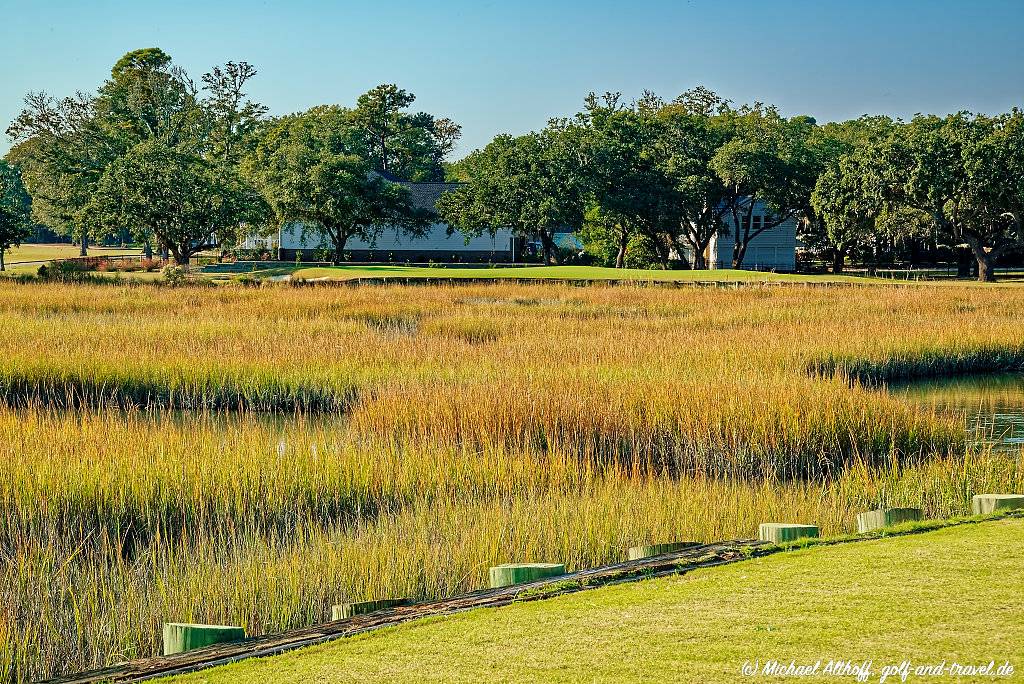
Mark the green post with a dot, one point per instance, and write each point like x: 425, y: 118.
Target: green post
x: 983, y: 504
x: 518, y: 573
x: 886, y: 517
x: 181, y: 637
x: 781, y: 533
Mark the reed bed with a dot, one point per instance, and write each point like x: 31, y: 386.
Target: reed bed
x: 393, y: 441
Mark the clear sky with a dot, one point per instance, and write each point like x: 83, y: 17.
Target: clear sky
x: 509, y: 65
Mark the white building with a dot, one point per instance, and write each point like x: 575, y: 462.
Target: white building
x: 437, y: 244
x: 771, y: 250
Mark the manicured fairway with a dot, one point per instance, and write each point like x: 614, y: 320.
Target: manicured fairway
x: 951, y: 595
x: 37, y: 253
x: 557, y: 273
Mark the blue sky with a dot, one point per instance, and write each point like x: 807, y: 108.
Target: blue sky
x: 507, y: 66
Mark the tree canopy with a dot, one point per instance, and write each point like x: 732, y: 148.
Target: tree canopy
x: 531, y: 183
x: 15, y: 204
x: 315, y: 169
x: 411, y: 146
x: 669, y: 178
x: 67, y: 147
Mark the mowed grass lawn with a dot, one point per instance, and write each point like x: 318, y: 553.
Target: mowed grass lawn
x: 46, y: 252
x: 952, y: 594
x: 556, y: 272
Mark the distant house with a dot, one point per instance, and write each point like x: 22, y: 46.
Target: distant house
x: 438, y: 243
x: 772, y: 250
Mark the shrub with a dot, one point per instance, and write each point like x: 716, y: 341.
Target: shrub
x: 174, y: 275
x: 641, y: 253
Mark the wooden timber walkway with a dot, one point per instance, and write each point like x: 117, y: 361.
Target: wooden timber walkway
x: 701, y: 556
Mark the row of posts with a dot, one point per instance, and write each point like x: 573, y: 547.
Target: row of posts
x: 180, y: 637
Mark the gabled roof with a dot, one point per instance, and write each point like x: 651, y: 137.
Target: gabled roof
x: 423, y: 195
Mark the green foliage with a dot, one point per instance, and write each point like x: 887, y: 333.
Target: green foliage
x: 67, y: 271
x: 532, y: 183
x: 409, y: 146
x: 697, y: 124
x: 68, y: 147
x: 963, y: 171
x: 14, y: 210
x: 770, y: 160
x: 847, y: 201
x: 641, y: 252
x: 625, y: 172
x: 173, y: 275
x: 599, y: 237
x: 316, y: 168
x: 188, y: 203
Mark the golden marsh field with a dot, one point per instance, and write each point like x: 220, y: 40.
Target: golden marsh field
x: 253, y: 455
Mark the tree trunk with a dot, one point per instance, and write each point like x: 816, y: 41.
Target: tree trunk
x: 147, y: 251
x: 838, y: 259
x: 620, y: 258
x: 3, y: 263
x: 985, y: 259
x: 181, y: 258
x: 340, y: 239
x: 548, y: 244
x: 663, y: 252
x: 684, y: 262
x: 986, y: 268
x: 83, y: 247
x: 738, y: 253
x: 700, y: 260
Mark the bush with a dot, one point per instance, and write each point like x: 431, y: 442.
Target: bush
x: 641, y: 253
x: 174, y: 275
x: 68, y: 270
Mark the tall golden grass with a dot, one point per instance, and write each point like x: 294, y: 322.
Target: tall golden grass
x: 439, y: 430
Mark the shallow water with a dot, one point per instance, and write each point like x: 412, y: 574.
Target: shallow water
x: 992, y: 406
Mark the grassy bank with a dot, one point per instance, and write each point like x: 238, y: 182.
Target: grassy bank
x: 38, y: 253
x: 704, y: 626
x: 597, y: 273
x: 465, y: 426
x: 115, y: 524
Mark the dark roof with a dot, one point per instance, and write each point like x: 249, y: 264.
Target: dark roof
x: 423, y: 195
x: 388, y: 176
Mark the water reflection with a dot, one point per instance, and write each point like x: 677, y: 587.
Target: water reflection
x: 992, y: 405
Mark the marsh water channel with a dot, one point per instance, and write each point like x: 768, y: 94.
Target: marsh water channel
x: 991, y: 406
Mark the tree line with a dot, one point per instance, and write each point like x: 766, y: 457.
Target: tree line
x: 668, y: 176
x: 181, y: 166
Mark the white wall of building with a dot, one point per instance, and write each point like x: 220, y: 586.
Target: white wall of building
x: 773, y: 249
x: 436, y: 239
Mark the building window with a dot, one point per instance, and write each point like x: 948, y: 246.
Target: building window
x: 757, y: 224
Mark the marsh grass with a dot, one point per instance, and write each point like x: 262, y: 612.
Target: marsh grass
x: 433, y: 432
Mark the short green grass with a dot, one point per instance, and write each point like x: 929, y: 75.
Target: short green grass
x: 951, y: 595
x: 46, y: 252
x: 554, y: 272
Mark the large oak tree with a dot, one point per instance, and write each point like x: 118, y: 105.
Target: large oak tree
x: 187, y: 202
x: 531, y: 183
x: 315, y: 169
x: 960, y: 170
x: 15, y: 225
x: 66, y: 146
